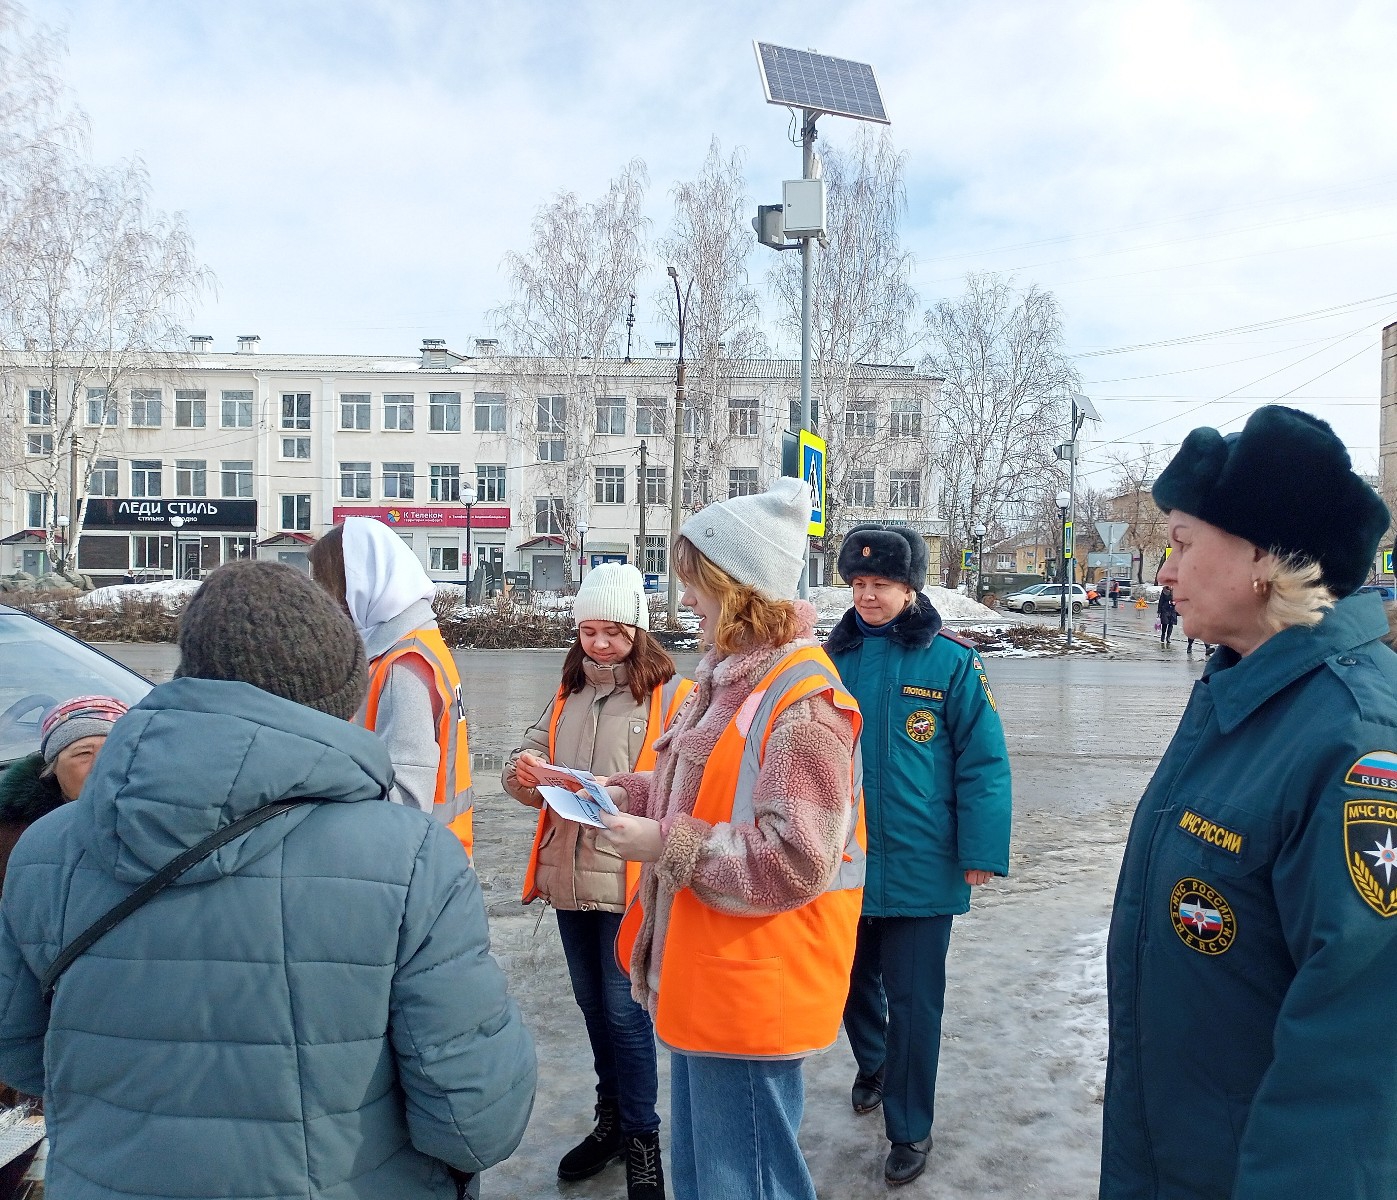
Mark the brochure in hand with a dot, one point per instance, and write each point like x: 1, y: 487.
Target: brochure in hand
x: 582, y: 806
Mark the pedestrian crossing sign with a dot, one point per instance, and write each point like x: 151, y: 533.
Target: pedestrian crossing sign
x: 812, y: 470
x: 1387, y: 562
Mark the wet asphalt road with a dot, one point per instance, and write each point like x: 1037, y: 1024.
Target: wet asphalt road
x: 1018, y: 1100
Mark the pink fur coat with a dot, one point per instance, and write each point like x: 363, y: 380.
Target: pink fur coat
x: 802, y: 806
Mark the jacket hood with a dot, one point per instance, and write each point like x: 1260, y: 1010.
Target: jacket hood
x: 197, y: 754
x: 26, y: 793
x: 915, y: 628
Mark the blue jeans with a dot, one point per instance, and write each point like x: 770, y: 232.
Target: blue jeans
x: 623, y: 1040
x: 733, y: 1126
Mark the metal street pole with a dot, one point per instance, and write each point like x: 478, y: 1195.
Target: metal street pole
x: 681, y: 304
x: 807, y: 268
x: 640, y: 555
x: 980, y: 532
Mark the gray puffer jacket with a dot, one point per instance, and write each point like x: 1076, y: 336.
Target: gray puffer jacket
x: 311, y: 1012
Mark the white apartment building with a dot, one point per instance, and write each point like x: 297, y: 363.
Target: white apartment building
x: 216, y: 455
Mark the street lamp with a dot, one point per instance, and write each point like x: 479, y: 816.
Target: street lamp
x: 468, y: 497
x: 1064, y: 503
x: 980, y: 532
x: 681, y: 305
x: 581, y: 549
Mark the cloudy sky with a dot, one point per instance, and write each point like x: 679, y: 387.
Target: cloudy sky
x: 1208, y: 188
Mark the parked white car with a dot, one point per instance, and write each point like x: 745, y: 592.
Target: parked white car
x: 1046, y: 597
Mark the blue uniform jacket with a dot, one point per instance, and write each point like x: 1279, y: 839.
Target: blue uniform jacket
x: 1253, y: 943
x: 312, y: 1012
x: 935, y: 767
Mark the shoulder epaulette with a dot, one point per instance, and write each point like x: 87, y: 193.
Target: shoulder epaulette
x: 955, y: 637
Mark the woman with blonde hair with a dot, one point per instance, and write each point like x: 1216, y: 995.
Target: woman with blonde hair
x: 619, y: 691
x: 751, y: 832
x: 1253, y: 935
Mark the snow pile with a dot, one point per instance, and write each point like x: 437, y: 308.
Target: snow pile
x: 1083, y: 979
x: 174, y: 594
x: 831, y: 603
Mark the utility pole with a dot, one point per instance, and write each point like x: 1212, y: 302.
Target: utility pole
x: 641, y: 554
x: 681, y: 304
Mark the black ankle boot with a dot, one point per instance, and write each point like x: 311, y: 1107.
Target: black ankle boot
x: 598, y: 1150
x: 645, y: 1177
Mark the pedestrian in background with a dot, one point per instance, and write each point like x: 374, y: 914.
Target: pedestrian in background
x: 619, y: 692
x: 414, y: 699
x: 311, y: 1009
x: 71, y: 736
x: 1254, y: 932
x: 743, y: 933
x: 1168, y: 615
x: 937, y: 789
x: 1115, y: 593
x: 1207, y: 647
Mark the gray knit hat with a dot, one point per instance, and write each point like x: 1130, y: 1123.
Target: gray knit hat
x: 612, y: 592
x: 267, y: 624
x: 758, y: 540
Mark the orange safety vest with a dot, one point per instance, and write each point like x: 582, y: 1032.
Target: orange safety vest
x: 665, y: 703
x: 761, y: 986
x: 454, y: 797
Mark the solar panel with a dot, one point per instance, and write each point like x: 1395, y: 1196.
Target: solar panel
x: 800, y: 79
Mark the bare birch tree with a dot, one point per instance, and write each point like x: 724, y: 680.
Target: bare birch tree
x: 571, y: 289
x: 862, y: 305
x: 1129, y: 499
x: 1004, y: 401
x: 93, y: 287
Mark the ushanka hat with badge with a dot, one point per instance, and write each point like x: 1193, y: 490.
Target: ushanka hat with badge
x: 1284, y: 483
x: 891, y: 551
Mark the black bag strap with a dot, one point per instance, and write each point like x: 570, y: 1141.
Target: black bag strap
x: 158, y: 882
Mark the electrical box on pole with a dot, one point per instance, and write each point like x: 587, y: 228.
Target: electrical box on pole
x: 770, y: 226
x: 803, y: 204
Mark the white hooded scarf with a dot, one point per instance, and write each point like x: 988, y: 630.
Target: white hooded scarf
x: 382, y: 576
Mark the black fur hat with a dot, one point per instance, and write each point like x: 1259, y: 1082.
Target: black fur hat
x: 892, y: 551
x: 1284, y: 483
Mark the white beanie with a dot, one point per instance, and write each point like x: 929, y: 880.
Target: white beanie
x: 758, y: 540
x: 612, y: 592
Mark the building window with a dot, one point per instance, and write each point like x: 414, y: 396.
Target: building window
x: 552, y: 418
x: 145, y: 408
x: 446, y: 481
x: 236, y: 410
x: 153, y: 552
x: 489, y: 412
x: 295, y: 513
x: 794, y: 426
x: 191, y: 477
x: 398, y: 481
x: 444, y: 412
x: 295, y: 447
x: 356, y: 481
x: 235, y: 479
x: 650, y: 416
x: 904, y: 490
x: 37, y: 509
x: 235, y: 548
x: 103, y: 481
x: 695, y: 420
x: 655, y: 491
x: 611, y: 415
x: 446, y: 559
x: 354, y: 410
x: 742, y: 416
x: 101, y: 408
x: 656, y: 554
x: 398, y: 411
x: 145, y: 477
x: 860, y: 419
x: 489, y: 483
x: 906, y: 419
x: 191, y: 410
x: 39, y: 444
x: 295, y: 410
x: 548, y: 516
x: 742, y: 481
x: 40, y: 408
x: 611, y: 485
x: 862, y: 493
x: 1004, y: 563
x: 696, y: 487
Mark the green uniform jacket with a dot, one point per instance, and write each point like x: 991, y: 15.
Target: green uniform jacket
x: 935, y: 767
x: 1254, y: 938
